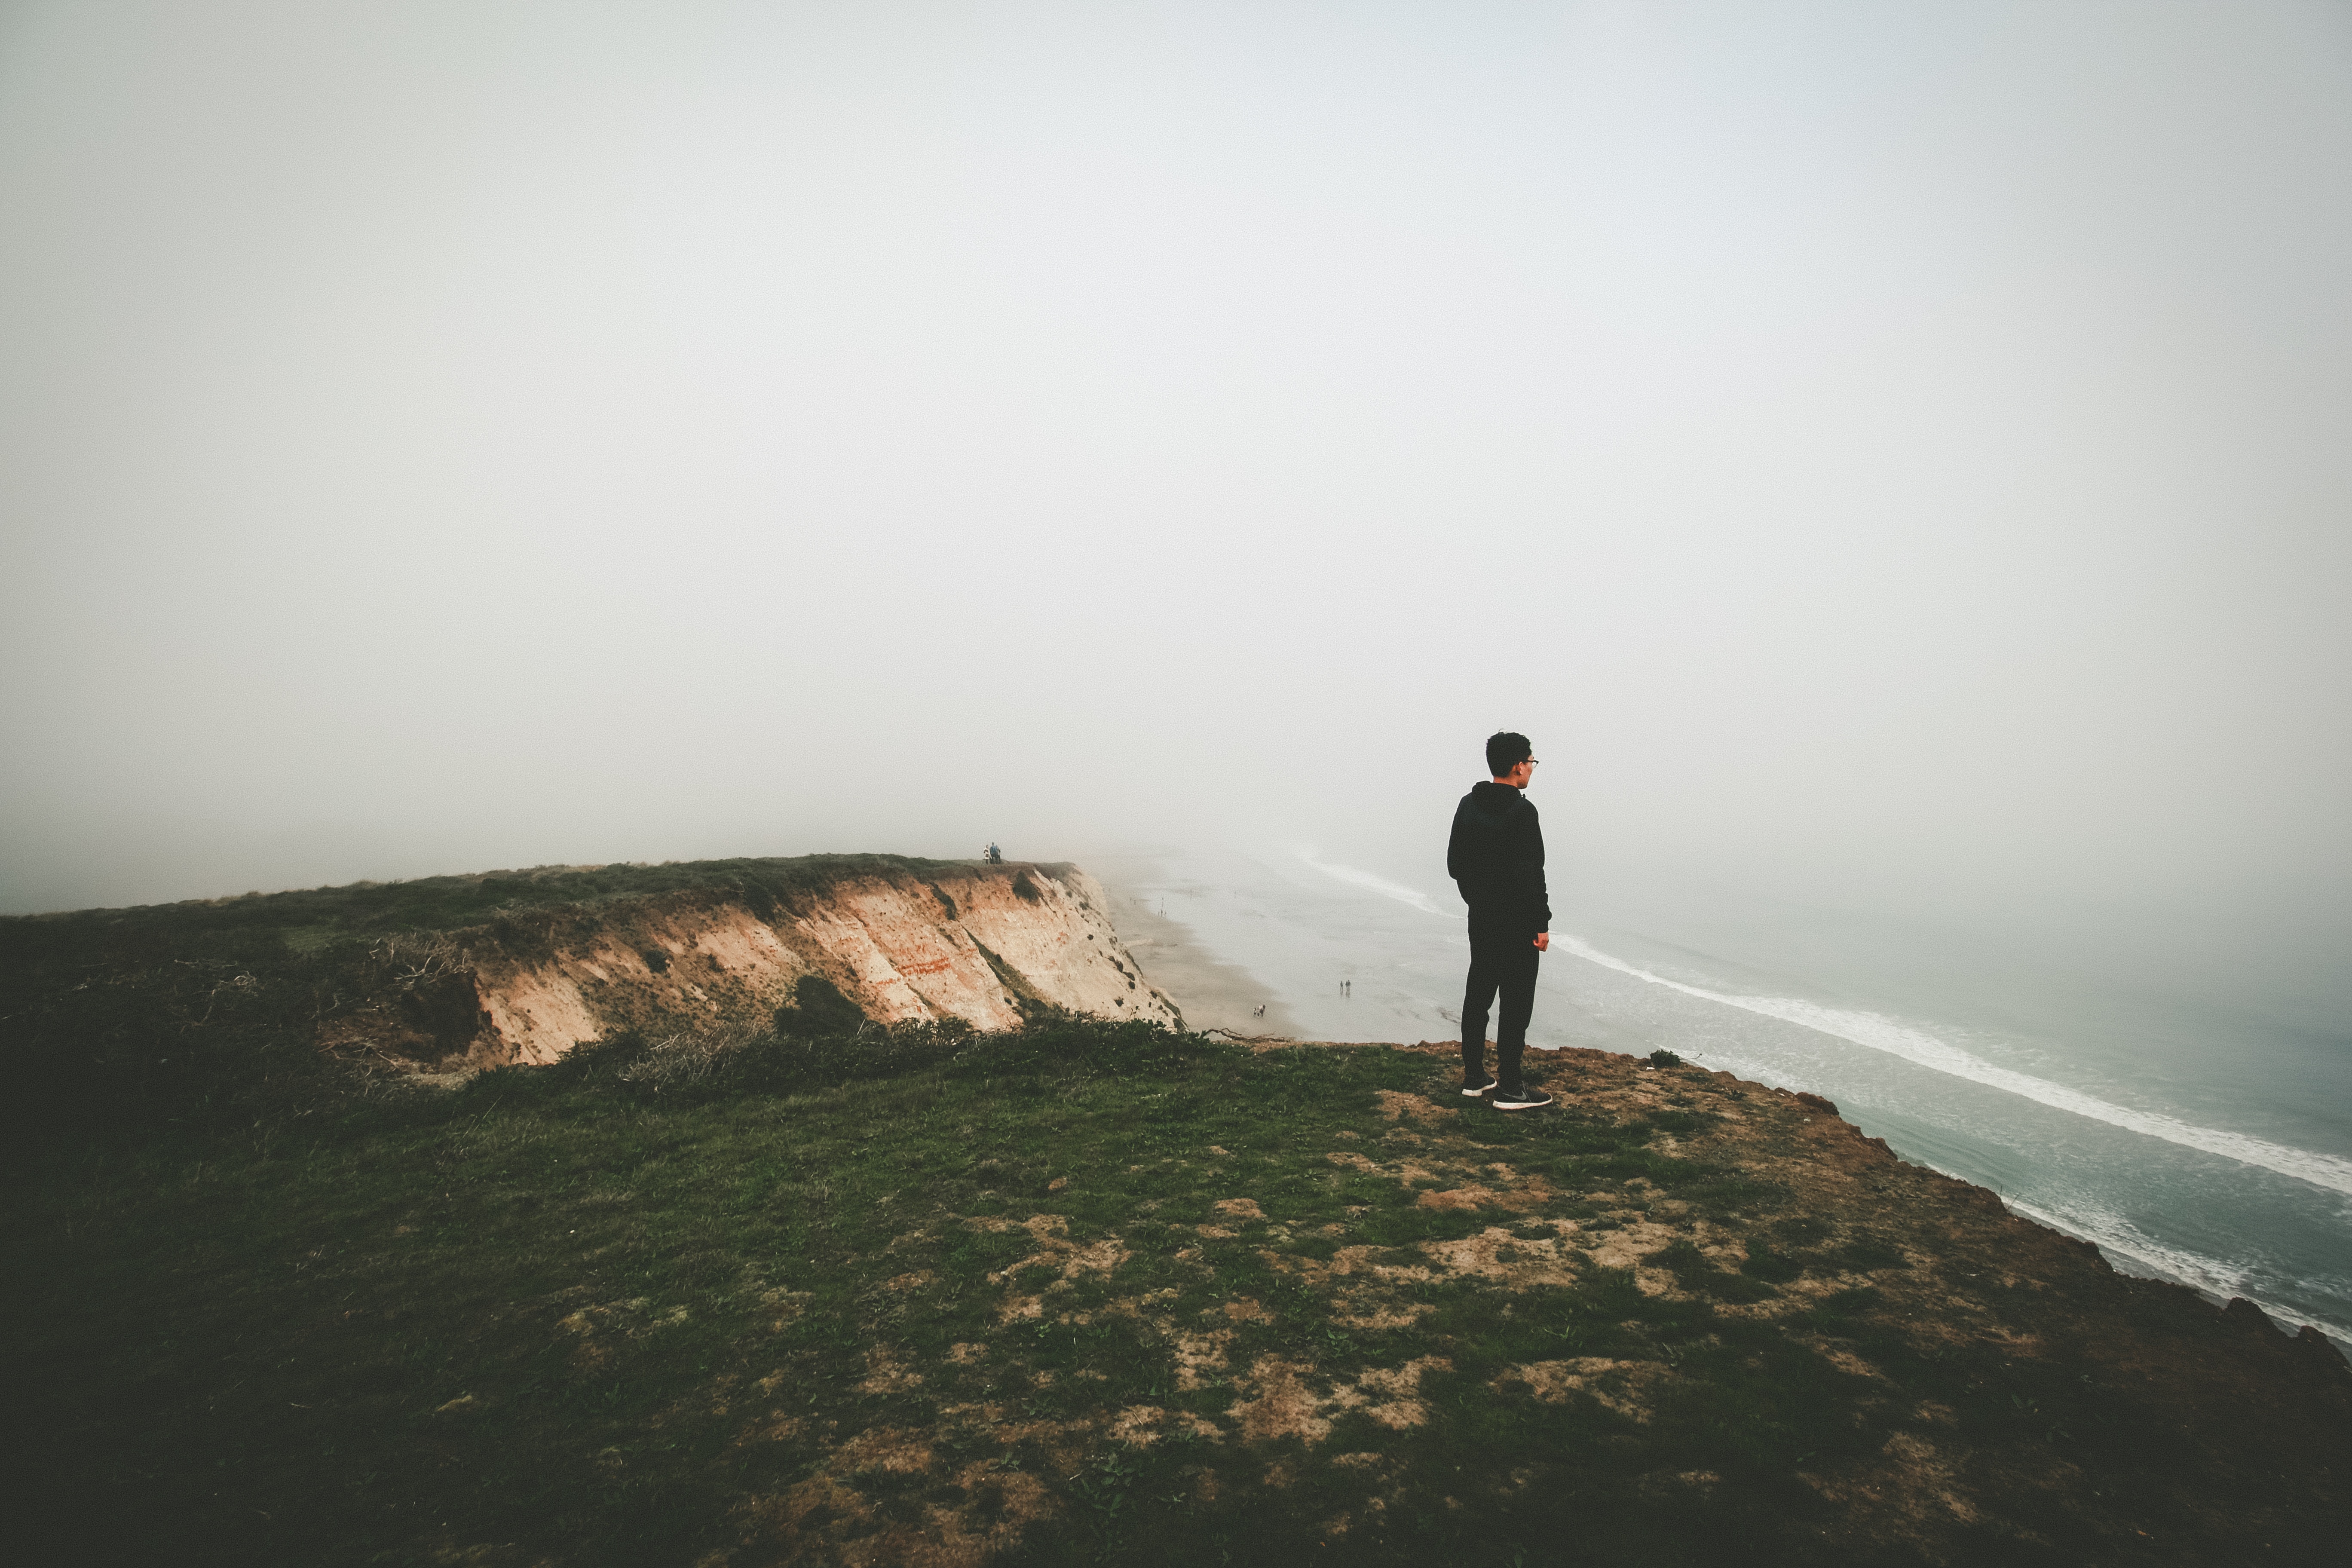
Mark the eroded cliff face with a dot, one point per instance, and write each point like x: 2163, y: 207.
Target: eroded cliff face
x: 984, y: 946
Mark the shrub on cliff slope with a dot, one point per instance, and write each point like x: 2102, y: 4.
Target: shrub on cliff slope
x: 121, y: 1026
x: 817, y: 1009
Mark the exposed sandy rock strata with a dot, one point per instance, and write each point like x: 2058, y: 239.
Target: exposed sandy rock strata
x: 981, y: 944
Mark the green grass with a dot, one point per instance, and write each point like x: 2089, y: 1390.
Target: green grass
x: 540, y: 1310
x: 640, y: 1309
x: 312, y: 916
x: 117, y: 1025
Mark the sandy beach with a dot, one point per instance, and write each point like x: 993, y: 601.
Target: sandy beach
x: 1212, y: 993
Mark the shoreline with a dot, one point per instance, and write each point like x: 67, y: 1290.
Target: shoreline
x: 1212, y: 993
x: 1592, y: 1010
x: 2285, y: 1320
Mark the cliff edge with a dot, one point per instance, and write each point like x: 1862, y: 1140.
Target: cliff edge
x: 120, y: 1024
x: 985, y: 945
x: 1090, y: 1289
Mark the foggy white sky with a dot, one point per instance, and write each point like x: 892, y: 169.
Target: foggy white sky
x: 1901, y: 445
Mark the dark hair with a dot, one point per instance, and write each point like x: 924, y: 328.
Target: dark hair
x: 1506, y: 751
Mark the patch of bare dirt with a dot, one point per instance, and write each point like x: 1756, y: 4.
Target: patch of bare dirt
x: 1281, y: 1400
x: 886, y: 1373
x: 1618, y: 1386
x: 900, y: 1450
x: 1915, y: 1488
x: 1282, y: 1403
x: 1395, y: 1106
x: 1140, y: 1425
x: 1056, y: 1252
x: 985, y: 1513
x: 1511, y: 1261
x: 1358, y: 1313
x: 599, y: 1329
x: 1968, y: 1276
x: 1200, y: 1357
x: 787, y: 1305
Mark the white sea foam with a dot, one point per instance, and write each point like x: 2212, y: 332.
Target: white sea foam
x: 2122, y: 1237
x: 1378, y: 884
x: 1883, y: 1034
x: 2119, y: 1237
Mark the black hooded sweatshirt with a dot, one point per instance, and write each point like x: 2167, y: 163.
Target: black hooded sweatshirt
x: 1497, y: 858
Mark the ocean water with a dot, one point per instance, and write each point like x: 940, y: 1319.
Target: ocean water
x: 2193, y: 1132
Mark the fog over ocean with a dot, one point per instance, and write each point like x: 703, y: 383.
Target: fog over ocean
x: 1889, y: 459
x: 2203, y: 1140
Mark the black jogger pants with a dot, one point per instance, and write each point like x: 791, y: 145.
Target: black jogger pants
x: 1505, y: 961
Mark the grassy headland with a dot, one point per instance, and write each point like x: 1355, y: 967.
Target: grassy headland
x: 117, y: 1026
x: 1095, y: 1292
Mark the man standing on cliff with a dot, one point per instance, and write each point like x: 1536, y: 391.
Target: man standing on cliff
x: 1497, y: 858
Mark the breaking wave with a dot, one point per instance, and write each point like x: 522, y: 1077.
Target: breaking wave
x: 1874, y: 1032
x: 1378, y: 884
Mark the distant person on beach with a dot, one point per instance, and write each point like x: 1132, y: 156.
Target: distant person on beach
x: 1497, y: 858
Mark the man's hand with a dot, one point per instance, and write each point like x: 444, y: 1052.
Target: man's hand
x: 1543, y: 941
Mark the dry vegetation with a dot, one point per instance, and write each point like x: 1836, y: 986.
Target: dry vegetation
x: 1095, y: 1293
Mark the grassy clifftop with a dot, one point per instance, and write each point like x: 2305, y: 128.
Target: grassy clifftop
x: 123, y: 1024
x: 1096, y: 1292
x: 311, y: 917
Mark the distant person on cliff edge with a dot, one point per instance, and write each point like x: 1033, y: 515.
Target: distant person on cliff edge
x: 1497, y: 858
